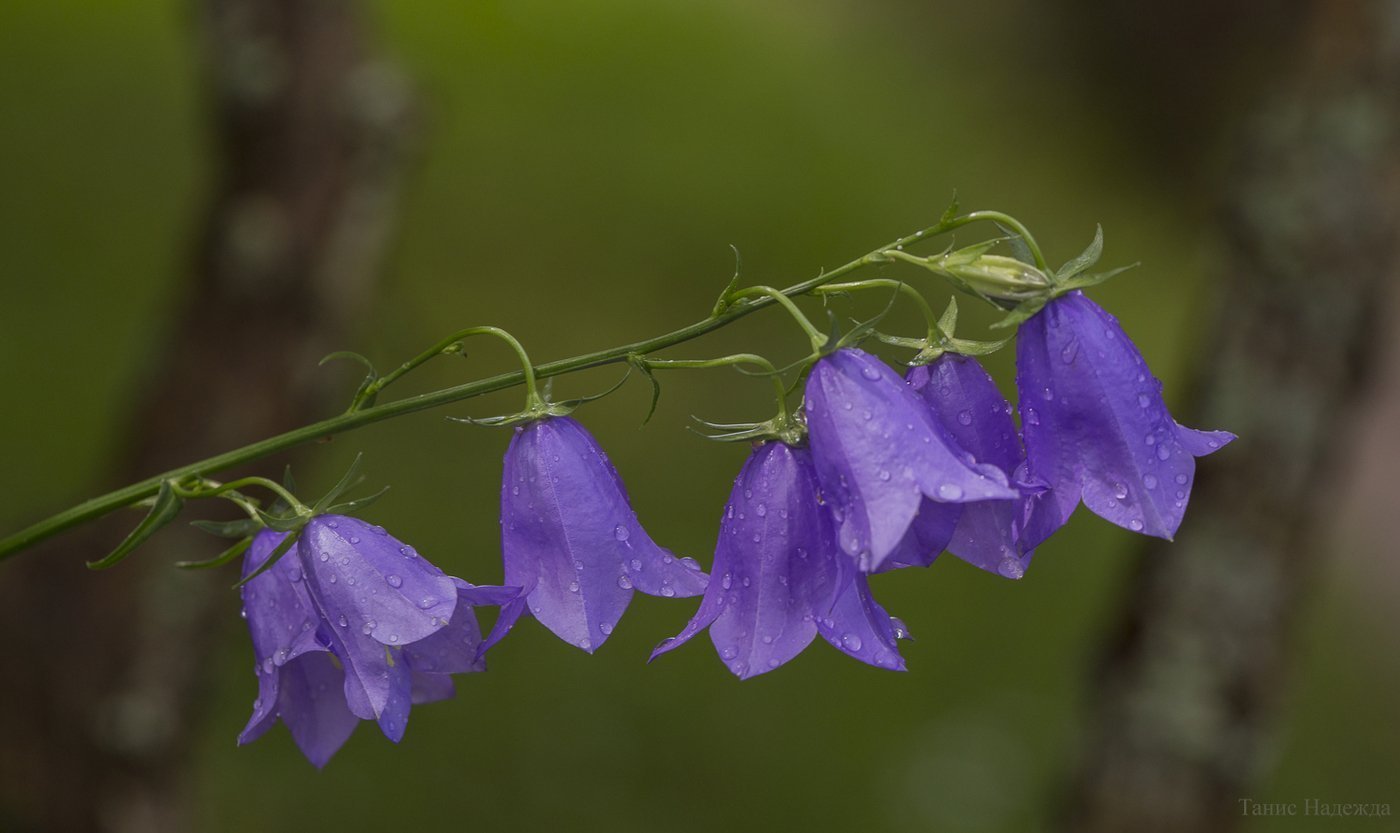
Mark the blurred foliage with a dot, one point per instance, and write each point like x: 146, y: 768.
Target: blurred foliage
x: 582, y: 170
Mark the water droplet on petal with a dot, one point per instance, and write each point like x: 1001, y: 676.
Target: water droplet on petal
x: 727, y: 581
x: 394, y: 581
x: 870, y: 373
x: 343, y: 622
x: 1011, y: 568
x: 950, y: 491
x: 668, y: 591
x: 884, y: 475
x: 761, y: 510
x: 369, y: 627
x: 427, y: 602
x: 1135, y: 525
x: 624, y: 582
x: 1163, y: 452
x: 620, y: 533
x: 573, y: 587
x: 585, y: 643
x: 605, y: 628
x: 851, y: 642
x: 965, y: 417
x: 1120, y: 491
x: 325, y: 556
x: 1150, y: 481
x: 1144, y: 400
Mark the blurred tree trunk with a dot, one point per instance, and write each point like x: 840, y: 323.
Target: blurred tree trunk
x: 308, y: 131
x: 1182, y: 708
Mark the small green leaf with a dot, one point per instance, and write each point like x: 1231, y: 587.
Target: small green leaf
x: 639, y: 362
x: 272, y: 559
x: 278, y: 523
x: 1021, y: 312
x: 951, y: 212
x: 968, y: 347
x: 164, y: 508
x: 1093, y: 278
x: 238, y: 548
x: 948, y: 322
x: 348, y: 481
x: 1086, y: 258
x: 351, y: 506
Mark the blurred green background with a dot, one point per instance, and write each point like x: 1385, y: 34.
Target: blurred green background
x: 582, y: 171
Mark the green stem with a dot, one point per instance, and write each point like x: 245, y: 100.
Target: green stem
x: 217, y: 489
x: 351, y: 420
x: 779, y: 390
x: 451, y: 344
x: 887, y: 283
x: 1005, y: 220
x: 817, y: 337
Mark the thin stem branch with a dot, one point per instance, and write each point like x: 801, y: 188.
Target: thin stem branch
x: 353, y: 419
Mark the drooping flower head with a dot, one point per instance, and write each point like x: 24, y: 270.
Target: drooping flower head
x: 779, y: 579
x: 879, y: 453
x: 569, y: 536
x: 334, y: 638
x: 987, y: 534
x: 1095, y: 426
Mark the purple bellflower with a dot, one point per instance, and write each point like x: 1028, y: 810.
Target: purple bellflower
x: 570, y: 538
x: 880, y: 452
x: 334, y: 638
x: 779, y: 578
x: 987, y: 534
x: 1095, y: 426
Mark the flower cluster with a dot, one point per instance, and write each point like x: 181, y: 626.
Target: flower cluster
x: 879, y: 472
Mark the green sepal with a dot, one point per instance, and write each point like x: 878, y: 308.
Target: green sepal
x: 348, y: 481
x: 1020, y: 313
x: 1092, y: 279
x: 860, y: 332
x: 950, y: 213
x: 272, y: 558
x: 948, y: 321
x: 1017, y: 244
x: 571, y: 404
x: 1084, y: 260
x: 351, y: 506
x: 239, y: 547
x: 789, y: 430
x: 240, y: 528
x: 280, y: 523
x: 364, y: 394
x: 164, y: 509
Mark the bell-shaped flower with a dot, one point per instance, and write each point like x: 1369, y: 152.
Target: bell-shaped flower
x: 779, y: 579
x: 322, y: 660
x: 298, y: 680
x: 570, y: 537
x: 987, y: 534
x: 1095, y: 425
x: 880, y: 452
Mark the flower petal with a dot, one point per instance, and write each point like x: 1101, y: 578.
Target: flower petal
x: 859, y: 627
x: 569, y: 532
x: 1096, y: 427
x: 431, y: 688
x: 384, y: 587
x: 312, y: 706
x: 879, y: 453
x: 778, y: 554
x: 393, y: 718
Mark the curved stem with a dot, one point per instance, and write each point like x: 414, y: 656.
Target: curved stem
x: 1005, y: 220
x: 817, y: 337
x: 887, y: 283
x: 350, y: 420
x: 221, y: 488
x: 779, y: 390
x: 451, y: 344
